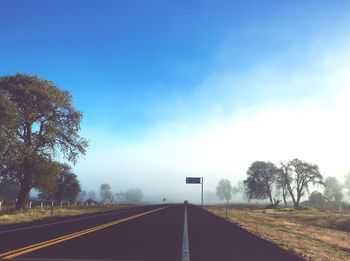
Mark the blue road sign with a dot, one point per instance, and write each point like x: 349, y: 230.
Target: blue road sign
x: 193, y: 180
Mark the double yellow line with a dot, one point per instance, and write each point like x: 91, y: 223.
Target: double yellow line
x: 34, y: 247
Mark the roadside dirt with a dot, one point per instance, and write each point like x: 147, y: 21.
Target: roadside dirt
x: 293, y: 232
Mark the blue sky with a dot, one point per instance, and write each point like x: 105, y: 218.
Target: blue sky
x: 163, y: 72
x: 124, y: 56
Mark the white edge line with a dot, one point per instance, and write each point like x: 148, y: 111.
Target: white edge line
x: 185, y: 243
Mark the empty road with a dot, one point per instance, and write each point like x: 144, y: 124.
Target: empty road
x: 159, y: 232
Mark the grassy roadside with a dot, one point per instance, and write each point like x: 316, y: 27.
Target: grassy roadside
x: 311, y: 234
x: 15, y: 217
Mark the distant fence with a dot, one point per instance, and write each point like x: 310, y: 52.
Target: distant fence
x: 343, y: 206
x: 37, y: 204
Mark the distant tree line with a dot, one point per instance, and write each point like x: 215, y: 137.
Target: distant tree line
x: 332, y: 195
x: 289, y: 181
x: 106, y: 195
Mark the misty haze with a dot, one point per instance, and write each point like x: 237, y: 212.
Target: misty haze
x: 174, y: 125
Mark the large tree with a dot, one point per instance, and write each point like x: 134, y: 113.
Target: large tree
x: 332, y: 189
x: 43, y: 123
x: 8, y: 190
x: 297, y: 175
x: 105, y: 193
x: 316, y: 199
x: 8, y: 139
x: 261, y: 178
x: 66, y: 186
x: 224, y: 190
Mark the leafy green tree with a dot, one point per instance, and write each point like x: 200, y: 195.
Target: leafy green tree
x: 105, y: 193
x: 261, y: 178
x: 42, y: 122
x: 46, y: 178
x: 66, y: 186
x: 8, y: 139
x: 297, y: 175
x: 224, y: 190
x: 8, y: 190
x: 316, y: 199
x: 332, y: 189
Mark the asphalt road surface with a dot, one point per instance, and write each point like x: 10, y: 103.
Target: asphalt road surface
x: 159, y: 232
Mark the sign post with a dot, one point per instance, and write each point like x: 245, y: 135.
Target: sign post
x: 196, y: 180
x: 202, y: 189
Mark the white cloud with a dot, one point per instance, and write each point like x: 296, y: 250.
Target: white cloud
x: 283, y: 114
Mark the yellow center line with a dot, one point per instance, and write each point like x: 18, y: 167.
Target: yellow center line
x: 34, y: 247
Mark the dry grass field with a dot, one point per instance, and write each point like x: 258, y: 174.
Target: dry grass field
x: 311, y: 234
x: 13, y: 217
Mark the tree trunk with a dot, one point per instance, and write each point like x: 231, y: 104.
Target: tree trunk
x: 292, y: 195
x: 284, y: 198
x: 23, y: 195
x: 271, y: 200
x: 296, y: 204
x: 25, y: 186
